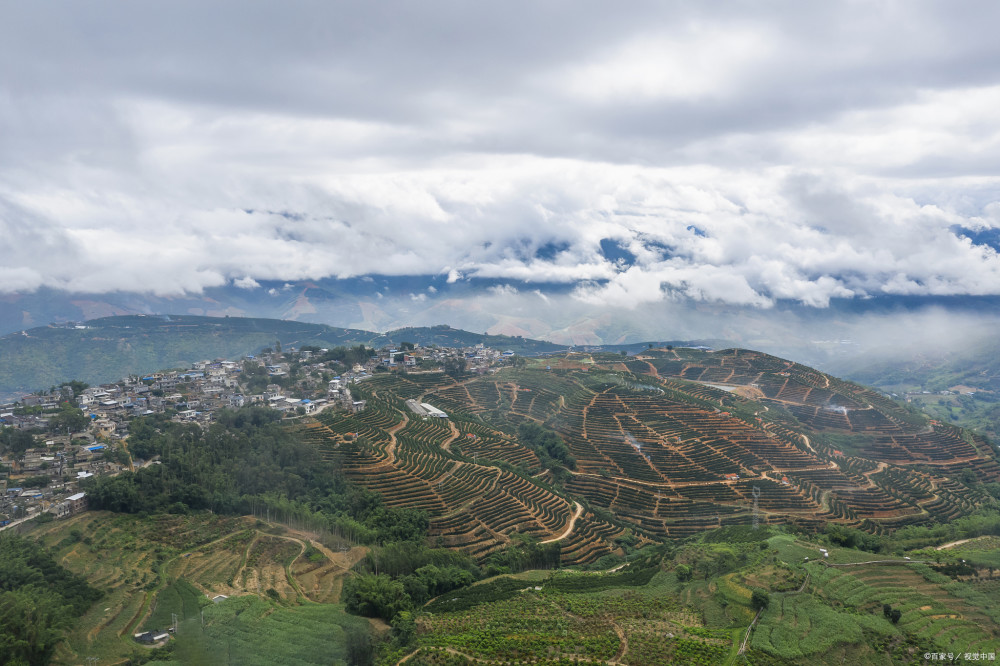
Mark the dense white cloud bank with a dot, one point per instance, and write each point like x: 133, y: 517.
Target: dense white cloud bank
x: 747, y: 156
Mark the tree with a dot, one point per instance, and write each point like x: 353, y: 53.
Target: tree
x: 895, y: 615
x: 375, y: 596
x: 547, y: 445
x: 15, y: 441
x: 454, y: 366
x: 69, y: 419
x: 77, y: 387
x: 38, y: 598
x: 404, y: 627
x: 358, y: 643
x: 759, y: 599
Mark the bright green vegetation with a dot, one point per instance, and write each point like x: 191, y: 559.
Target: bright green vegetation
x: 591, y: 619
x: 982, y: 552
x: 937, y: 611
x: 252, y: 631
x: 38, y: 600
x: 152, y: 567
x: 802, y: 626
x: 179, y: 597
x: 692, y: 604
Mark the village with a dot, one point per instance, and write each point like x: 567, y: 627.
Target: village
x: 53, y: 441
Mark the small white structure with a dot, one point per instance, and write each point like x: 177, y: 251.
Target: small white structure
x: 433, y: 411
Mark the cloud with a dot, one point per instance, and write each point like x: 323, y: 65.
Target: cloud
x: 752, y: 156
x: 502, y: 290
x: 693, y: 63
x: 246, y: 283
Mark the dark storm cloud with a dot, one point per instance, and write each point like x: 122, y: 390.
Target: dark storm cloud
x: 818, y: 151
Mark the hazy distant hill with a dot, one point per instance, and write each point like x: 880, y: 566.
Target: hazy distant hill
x: 106, y: 349
x: 961, y: 386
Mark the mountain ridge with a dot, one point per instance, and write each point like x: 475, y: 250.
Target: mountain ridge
x: 106, y: 349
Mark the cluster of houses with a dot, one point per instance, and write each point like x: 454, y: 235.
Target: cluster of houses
x: 478, y: 359
x: 298, y: 383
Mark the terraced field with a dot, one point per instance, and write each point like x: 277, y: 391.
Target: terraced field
x: 941, y: 613
x: 570, y: 619
x: 154, y: 567
x: 672, y: 442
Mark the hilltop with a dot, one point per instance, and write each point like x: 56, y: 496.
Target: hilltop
x: 667, y: 444
x: 109, y: 348
x: 106, y: 349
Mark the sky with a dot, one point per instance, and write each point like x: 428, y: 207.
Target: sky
x: 728, y: 154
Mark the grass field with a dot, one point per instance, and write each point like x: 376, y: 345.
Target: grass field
x: 801, y: 625
x: 936, y: 612
x: 180, y: 598
x: 252, y: 631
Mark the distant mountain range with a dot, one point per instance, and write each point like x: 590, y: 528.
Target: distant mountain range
x: 550, y: 311
x: 372, y: 303
x: 109, y: 348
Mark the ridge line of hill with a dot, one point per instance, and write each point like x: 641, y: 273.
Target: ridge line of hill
x: 109, y: 348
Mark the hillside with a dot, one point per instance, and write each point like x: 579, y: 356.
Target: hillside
x: 684, y: 604
x: 107, y: 349
x: 961, y: 387
x: 593, y: 507
x: 694, y: 604
x: 668, y: 444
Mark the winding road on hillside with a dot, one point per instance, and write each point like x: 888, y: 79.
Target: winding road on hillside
x: 569, y: 528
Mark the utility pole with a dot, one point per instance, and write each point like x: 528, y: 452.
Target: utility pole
x: 756, y: 507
